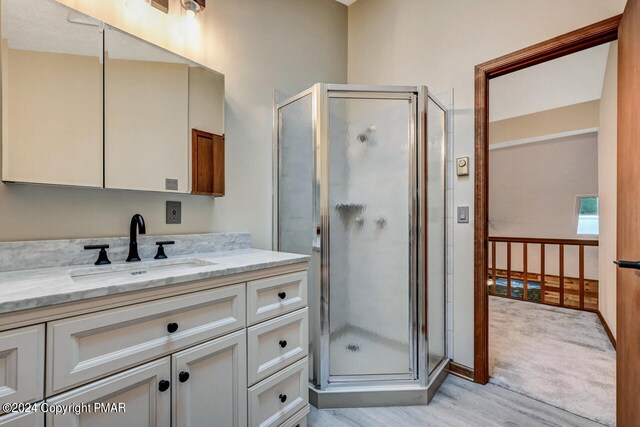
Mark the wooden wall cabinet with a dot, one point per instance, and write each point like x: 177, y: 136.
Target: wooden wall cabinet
x: 207, y: 163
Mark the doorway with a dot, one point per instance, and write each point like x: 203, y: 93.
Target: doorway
x: 518, y: 283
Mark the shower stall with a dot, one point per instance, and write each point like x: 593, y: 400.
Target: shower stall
x: 359, y: 186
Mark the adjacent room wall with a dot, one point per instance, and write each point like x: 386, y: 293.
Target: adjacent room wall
x: 438, y: 43
x: 607, y: 176
x: 532, y: 193
x: 563, y: 121
x: 260, y: 46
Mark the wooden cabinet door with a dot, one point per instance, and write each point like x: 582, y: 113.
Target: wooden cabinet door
x: 207, y: 163
x: 210, y: 383
x: 146, y: 402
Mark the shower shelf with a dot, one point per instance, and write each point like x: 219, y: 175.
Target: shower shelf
x: 349, y: 212
x: 350, y: 207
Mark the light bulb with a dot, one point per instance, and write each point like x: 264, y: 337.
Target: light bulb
x: 191, y: 13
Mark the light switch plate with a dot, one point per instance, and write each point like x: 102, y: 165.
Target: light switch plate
x: 174, y: 212
x: 463, y: 214
x: 462, y: 166
x: 171, y: 184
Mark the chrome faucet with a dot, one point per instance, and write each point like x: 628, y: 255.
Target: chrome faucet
x: 137, y: 224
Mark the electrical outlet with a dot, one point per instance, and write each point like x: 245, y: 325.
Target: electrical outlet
x: 174, y: 212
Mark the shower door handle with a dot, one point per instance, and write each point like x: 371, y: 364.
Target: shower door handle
x: 635, y: 265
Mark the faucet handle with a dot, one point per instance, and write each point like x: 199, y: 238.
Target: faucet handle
x: 161, y: 254
x: 102, y: 256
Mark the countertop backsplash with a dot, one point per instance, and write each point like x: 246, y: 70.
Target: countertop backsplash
x: 57, y: 253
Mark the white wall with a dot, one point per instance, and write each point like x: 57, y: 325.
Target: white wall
x: 438, y: 43
x: 567, y: 80
x: 259, y: 46
x: 607, y: 167
x: 532, y: 193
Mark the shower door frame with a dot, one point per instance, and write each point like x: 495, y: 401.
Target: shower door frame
x: 320, y: 94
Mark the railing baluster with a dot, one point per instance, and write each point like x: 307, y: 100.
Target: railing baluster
x: 561, y: 266
x: 493, y: 268
x: 581, y: 277
x: 542, y: 278
x: 509, y: 269
x: 524, y: 273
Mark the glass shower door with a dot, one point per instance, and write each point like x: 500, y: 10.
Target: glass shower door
x: 296, y: 203
x: 371, y: 174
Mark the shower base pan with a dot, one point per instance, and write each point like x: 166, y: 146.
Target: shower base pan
x: 378, y: 395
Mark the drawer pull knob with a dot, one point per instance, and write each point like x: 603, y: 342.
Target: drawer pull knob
x: 183, y: 376
x: 282, y: 295
x: 283, y: 343
x: 164, y: 385
x: 283, y: 398
x: 172, y: 327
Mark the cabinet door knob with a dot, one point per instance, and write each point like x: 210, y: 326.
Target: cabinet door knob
x: 282, y: 295
x: 283, y: 343
x: 164, y: 385
x: 283, y: 398
x: 172, y: 327
x: 183, y: 376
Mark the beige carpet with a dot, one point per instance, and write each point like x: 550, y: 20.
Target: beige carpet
x: 555, y: 355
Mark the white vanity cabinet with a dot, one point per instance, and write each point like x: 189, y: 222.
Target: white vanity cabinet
x: 223, y: 352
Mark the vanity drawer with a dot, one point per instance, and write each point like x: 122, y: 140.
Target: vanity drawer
x: 277, y: 343
x: 298, y: 420
x: 22, y: 365
x: 83, y: 348
x: 266, y: 405
x: 274, y: 296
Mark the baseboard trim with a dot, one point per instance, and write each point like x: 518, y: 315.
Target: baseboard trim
x: 606, y: 328
x: 461, y: 371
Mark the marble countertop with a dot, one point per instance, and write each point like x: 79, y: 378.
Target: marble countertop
x: 25, y: 289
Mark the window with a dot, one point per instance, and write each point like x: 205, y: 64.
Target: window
x: 587, y: 213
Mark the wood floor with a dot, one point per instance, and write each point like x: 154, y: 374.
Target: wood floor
x: 458, y: 403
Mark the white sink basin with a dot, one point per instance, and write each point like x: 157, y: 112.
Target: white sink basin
x: 146, y: 269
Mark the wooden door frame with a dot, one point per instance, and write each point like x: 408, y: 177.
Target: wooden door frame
x: 566, y: 44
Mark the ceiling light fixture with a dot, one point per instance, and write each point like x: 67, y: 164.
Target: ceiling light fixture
x: 193, y: 6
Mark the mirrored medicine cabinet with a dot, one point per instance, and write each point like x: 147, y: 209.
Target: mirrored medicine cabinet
x: 85, y: 104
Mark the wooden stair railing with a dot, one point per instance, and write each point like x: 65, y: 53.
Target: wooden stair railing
x: 543, y: 275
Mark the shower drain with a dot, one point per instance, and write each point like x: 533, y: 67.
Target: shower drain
x: 353, y: 347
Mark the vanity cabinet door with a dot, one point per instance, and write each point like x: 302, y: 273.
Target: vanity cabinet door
x: 28, y: 419
x: 140, y: 397
x: 22, y: 365
x: 210, y: 384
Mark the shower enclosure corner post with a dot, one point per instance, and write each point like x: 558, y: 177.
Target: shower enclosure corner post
x: 320, y: 114
x: 422, y: 294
